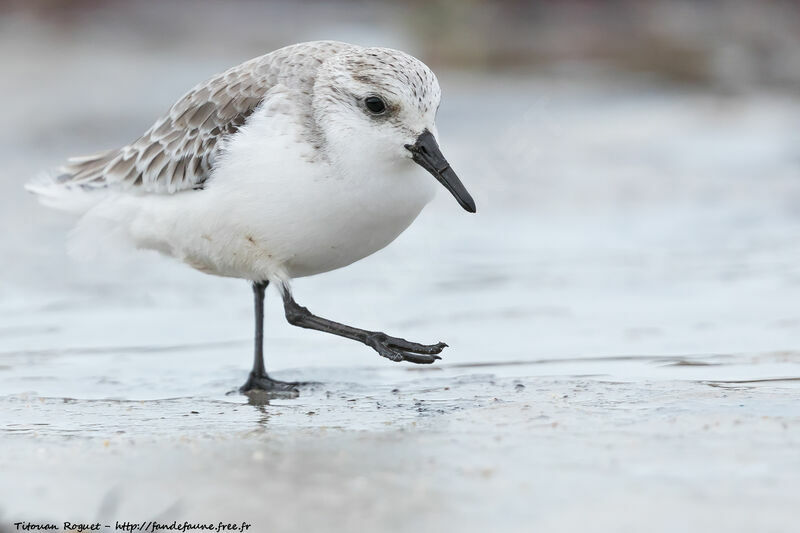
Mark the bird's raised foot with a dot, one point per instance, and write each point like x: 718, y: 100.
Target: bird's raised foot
x: 397, y: 349
x: 256, y: 384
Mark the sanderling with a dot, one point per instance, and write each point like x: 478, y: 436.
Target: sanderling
x: 291, y: 164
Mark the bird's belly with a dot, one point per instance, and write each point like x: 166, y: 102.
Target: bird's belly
x: 303, y: 231
x: 350, y: 225
x: 339, y: 239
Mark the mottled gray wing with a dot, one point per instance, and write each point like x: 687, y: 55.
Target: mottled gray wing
x: 178, y: 151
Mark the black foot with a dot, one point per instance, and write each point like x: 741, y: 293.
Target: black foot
x: 398, y: 349
x: 264, y: 383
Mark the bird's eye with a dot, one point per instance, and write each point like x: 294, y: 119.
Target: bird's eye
x: 375, y: 105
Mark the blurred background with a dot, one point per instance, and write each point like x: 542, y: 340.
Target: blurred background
x: 637, y: 168
x: 634, y: 267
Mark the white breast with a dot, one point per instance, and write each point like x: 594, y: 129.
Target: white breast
x: 274, y: 209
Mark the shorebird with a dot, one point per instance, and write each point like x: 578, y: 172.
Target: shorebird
x: 294, y: 163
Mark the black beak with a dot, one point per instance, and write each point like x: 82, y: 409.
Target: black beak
x: 426, y: 154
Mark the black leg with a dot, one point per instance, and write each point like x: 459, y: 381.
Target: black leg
x: 259, y: 291
x: 393, y: 348
x: 259, y: 379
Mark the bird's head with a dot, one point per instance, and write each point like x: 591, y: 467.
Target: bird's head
x: 378, y: 105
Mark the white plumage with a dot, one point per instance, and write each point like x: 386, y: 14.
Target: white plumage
x: 261, y: 173
x: 290, y: 164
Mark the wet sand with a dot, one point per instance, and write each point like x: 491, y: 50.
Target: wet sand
x: 409, y: 451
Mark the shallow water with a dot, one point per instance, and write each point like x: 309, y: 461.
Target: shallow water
x: 622, y: 318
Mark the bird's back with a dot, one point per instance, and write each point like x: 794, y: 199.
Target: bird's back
x: 179, y: 150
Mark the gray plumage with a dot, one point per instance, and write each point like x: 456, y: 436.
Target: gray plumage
x: 178, y: 151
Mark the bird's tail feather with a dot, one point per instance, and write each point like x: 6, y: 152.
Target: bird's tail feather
x: 76, y: 187
x: 59, y: 195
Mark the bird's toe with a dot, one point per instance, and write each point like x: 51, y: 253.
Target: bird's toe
x: 265, y: 384
x: 408, y: 346
x: 420, y: 359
